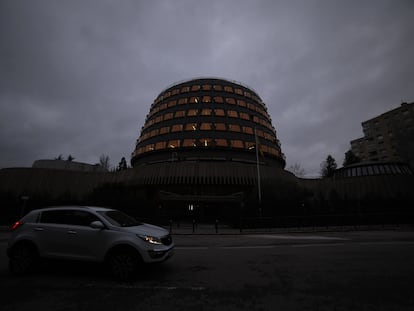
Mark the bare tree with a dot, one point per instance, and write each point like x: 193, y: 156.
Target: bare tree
x: 70, y: 158
x: 104, y: 161
x: 297, y: 170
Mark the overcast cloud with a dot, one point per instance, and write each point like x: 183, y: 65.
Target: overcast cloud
x: 78, y: 77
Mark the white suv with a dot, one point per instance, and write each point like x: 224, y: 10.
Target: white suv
x: 93, y: 234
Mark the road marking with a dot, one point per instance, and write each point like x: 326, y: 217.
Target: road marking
x: 296, y: 237
x: 191, y: 247
x: 140, y: 287
x: 317, y: 245
x: 249, y: 247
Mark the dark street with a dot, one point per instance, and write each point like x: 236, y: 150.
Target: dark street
x: 318, y: 271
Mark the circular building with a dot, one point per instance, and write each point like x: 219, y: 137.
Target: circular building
x: 207, y: 118
x: 208, y: 143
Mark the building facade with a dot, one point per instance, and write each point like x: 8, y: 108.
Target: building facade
x: 388, y: 137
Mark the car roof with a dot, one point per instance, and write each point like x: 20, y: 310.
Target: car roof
x: 75, y: 207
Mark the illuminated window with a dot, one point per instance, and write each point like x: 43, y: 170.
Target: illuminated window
x: 144, y: 136
x: 218, y: 88
x: 206, y: 126
x: 218, y: 99
x: 220, y: 126
x: 168, y: 94
x: 230, y: 101
x: 251, y: 106
x: 264, y: 148
x: 195, y: 88
x: 219, y: 112
x: 180, y: 113
x: 182, y: 101
x: 263, y: 122
x: 228, y: 89
x: 158, y: 119
x: 189, y: 143
x: 192, y: 112
x: 206, y: 99
x: 238, y: 91
x: 247, y: 94
x: 259, y: 133
x: 274, y: 151
x: 164, y: 130
x: 268, y: 136
x: 149, y: 147
x: 256, y: 119
x: 232, y: 114
x: 206, y: 112
x: 191, y: 127
x: 160, y: 145
x: 250, y: 145
x: 163, y: 106
x: 244, y: 116
x: 174, y: 143
x: 205, y: 142
x: 155, y: 110
x: 185, y: 89
x: 236, y: 144
x: 261, y: 111
x: 234, y: 127
x: 193, y: 100
x: 206, y: 87
x: 247, y: 130
x: 177, y: 128
x: 168, y: 116
x: 175, y: 92
x: 241, y: 103
x: 150, y: 122
x: 153, y: 133
x: 220, y: 142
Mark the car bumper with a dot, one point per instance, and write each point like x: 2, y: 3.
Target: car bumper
x: 159, y: 255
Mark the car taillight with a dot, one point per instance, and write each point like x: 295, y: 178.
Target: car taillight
x: 16, y: 225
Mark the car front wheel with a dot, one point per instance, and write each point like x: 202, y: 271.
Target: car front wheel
x: 123, y: 265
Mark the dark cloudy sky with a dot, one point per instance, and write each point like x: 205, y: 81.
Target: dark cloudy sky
x: 78, y: 77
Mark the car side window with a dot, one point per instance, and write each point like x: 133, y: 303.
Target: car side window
x: 53, y: 217
x: 68, y: 217
x: 82, y: 218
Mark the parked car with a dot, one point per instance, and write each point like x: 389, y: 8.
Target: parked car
x: 94, y: 234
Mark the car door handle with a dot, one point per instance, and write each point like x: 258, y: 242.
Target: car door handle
x: 71, y: 232
x: 38, y: 229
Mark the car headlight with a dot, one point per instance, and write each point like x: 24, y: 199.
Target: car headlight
x: 150, y: 239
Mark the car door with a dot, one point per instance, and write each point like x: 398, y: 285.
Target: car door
x: 84, y: 242
x: 51, y: 233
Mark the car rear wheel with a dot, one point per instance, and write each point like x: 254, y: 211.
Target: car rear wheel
x: 22, y: 259
x: 123, y: 265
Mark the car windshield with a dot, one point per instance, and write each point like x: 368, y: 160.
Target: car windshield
x: 120, y: 219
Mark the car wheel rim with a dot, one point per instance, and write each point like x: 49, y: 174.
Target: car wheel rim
x: 123, y: 265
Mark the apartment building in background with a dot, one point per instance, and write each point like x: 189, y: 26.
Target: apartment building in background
x: 388, y: 137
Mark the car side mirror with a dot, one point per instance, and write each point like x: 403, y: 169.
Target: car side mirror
x: 97, y: 225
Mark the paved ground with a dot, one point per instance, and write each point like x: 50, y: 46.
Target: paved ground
x: 369, y: 270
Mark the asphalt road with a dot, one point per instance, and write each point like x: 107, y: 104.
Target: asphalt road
x: 326, y: 271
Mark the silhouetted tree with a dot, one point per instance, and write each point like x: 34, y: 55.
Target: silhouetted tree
x: 122, y: 165
x: 59, y: 157
x: 328, y: 167
x: 350, y: 158
x: 70, y: 158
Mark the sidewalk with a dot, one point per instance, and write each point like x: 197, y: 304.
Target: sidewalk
x: 221, y: 229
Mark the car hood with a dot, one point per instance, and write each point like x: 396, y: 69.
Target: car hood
x: 147, y: 229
